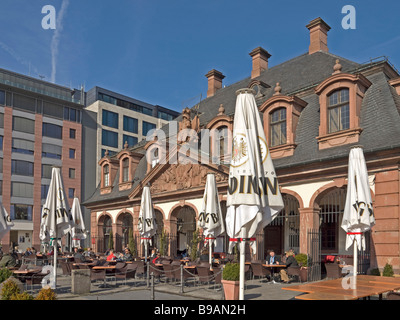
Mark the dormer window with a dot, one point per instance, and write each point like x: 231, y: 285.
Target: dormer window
x: 280, y: 116
x: 278, y: 127
x: 339, y: 111
x: 125, y: 170
x: 106, y: 175
x: 340, y: 101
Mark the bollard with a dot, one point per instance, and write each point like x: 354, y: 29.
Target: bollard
x: 182, y: 283
x: 152, y: 287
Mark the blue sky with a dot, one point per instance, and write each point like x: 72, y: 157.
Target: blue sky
x: 159, y: 51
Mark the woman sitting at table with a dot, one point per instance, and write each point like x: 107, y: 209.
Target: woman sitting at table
x: 290, y: 262
x: 111, y: 256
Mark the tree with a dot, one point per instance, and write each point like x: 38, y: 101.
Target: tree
x: 132, y: 243
x: 111, y: 241
x: 163, y: 243
x: 194, y: 245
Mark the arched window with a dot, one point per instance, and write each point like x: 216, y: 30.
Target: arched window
x: 339, y: 110
x: 278, y: 127
x: 125, y: 170
x: 106, y: 175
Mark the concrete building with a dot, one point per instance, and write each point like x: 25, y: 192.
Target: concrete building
x: 122, y: 119
x: 314, y: 108
x: 40, y: 127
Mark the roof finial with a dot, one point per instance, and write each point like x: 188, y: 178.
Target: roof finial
x: 221, y: 110
x: 337, y: 68
x: 126, y: 145
x: 277, y: 89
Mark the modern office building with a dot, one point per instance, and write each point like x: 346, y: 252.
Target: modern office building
x: 122, y: 119
x: 40, y: 127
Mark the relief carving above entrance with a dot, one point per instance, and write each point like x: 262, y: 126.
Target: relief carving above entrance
x: 183, y: 176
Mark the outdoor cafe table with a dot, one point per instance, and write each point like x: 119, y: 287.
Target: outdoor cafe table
x: 366, y: 286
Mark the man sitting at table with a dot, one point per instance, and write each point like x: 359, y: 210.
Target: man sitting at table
x: 290, y: 262
x: 78, y: 256
x: 272, y: 258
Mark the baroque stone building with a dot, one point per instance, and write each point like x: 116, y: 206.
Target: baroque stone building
x: 314, y: 108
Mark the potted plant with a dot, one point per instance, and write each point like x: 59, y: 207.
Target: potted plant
x: 230, y: 281
x: 302, y: 260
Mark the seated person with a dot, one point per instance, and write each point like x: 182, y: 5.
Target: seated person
x: 126, y: 256
x: 8, y: 260
x: 111, y: 256
x: 290, y: 262
x: 89, y: 253
x: 78, y: 255
x: 156, y: 258
x: 272, y: 258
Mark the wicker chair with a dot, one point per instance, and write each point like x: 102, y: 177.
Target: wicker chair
x: 204, y: 274
x: 293, y: 272
x: 157, y: 273
x: 259, y: 271
x: 65, y: 268
x: 35, y: 277
x: 97, y: 275
x: 168, y: 269
x: 393, y: 296
x: 120, y: 272
x: 333, y: 271
x: 217, y: 272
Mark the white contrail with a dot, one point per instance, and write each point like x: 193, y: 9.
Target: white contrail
x: 18, y: 58
x: 56, y: 39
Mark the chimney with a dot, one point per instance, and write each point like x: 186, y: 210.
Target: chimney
x: 260, y: 61
x: 318, y: 35
x: 214, y: 82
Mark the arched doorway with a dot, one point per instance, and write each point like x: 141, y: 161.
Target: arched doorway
x: 104, y: 226
x: 156, y: 243
x: 185, y: 219
x: 283, y: 233
x: 124, y: 227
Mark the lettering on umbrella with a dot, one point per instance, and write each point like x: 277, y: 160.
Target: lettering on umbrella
x: 253, y: 186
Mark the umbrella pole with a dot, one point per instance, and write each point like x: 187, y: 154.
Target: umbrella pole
x: 145, y: 250
x: 355, y: 262
x: 242, y: 266
x: 55, y: 260
x: 210, y: 252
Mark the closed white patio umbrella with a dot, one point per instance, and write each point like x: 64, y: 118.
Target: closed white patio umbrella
x: 210, y: 218
x: 254, y: 199
x: 5, y: 221
x: 147, y: 225
x: 56, y: 219
x: 78, y: 231
x: 358, y: 216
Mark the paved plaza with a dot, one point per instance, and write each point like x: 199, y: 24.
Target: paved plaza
x: 254, y: 290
